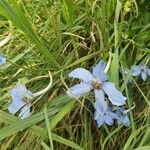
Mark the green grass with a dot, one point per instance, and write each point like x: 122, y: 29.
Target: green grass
x: 59, y: 36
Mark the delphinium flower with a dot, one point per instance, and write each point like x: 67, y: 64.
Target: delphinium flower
x: 122, y: 116
x: 113, y: 113
x: 2, y: 59
x: 142, y: 70
x: 107, y: 118
x: 22, y: 99
x: 96, y: 81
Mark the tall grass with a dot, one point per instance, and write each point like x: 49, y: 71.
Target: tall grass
x: 60, y: 36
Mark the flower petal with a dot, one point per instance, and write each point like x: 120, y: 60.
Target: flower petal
x: 143, y: 66
x: 83, y: 74
x: 114, y: 95
x: 124, y: 119
x: 100, y: 103
x: 122, y: 116
x: 99, y: 118
x: 98, y: 71
x: 15, y: 106
x: 19, y: 92
x: 2, y: 59
x: 109, y: 118
x: 144, y: 75
x: 135, y: 70
x: 148, y: 71
x: 79, y: 89
x: 25, y: 112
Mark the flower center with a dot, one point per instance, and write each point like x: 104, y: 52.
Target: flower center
x: 142, y: 70
x: 96, y: 85
x: 27, y: 100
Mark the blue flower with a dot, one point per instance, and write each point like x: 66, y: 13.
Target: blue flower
x: 108, y: 117
x: 141, y: 69
x: 2, y: 59
x: 21, y: 99
x: 96, y: 81
x: 111, y: 114
x: 122, y: 116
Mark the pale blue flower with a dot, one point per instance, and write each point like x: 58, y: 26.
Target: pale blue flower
x: 2, y: 59
x: 21, y: 99
x: 112, y: 113
x: 107, y: 118
x: 141, y: 69
x: 122, y: 116
x: 96, y: 81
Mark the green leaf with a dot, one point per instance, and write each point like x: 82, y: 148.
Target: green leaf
x: 143, y: 148
x: 12, y: 11
x: 114, y: 70
x: 66, y: 142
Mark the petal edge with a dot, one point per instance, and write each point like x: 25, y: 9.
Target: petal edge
x: 114, y: 95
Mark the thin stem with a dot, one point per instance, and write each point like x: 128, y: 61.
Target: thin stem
x: 109, y: 62
x: 46, y: 89
x: 5, y: 40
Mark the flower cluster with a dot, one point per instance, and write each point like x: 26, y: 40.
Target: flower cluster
x: 97, y: 81
x: 109, y: 102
